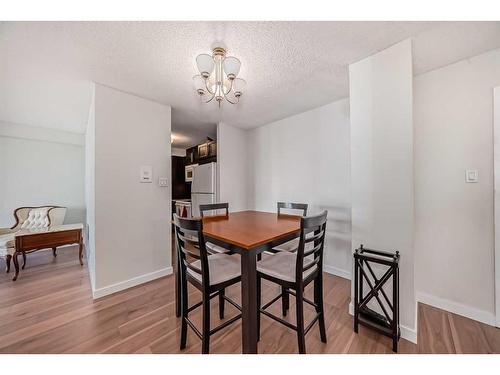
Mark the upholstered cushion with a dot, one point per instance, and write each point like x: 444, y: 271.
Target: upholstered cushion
x: 37, y: 218
x: 57, y: 215
x: 214, y: 249
x: 7, y: 244
x: 222, y: 267
x: 282, y: 266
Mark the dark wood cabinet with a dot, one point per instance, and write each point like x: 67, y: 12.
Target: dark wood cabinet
x: 202, y: 153
x: 180, y: 188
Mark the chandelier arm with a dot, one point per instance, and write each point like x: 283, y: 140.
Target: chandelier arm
x: 230, y: 87
x: 206, y: 86
x: 236, y: 102
x: 209, y: 100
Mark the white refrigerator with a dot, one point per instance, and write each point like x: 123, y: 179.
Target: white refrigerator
x: 203, y: 186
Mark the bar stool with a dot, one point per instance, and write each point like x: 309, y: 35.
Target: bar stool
x: 294, y: 271
x: 210, y: 274
x: 290, y: 246
x: 204, y: 208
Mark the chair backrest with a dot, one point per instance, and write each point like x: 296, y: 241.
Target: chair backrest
x: 214, y: 207
x: 292, y: 206
x: 190, y: 232
x: 39, y: 217
x: 317, y: 225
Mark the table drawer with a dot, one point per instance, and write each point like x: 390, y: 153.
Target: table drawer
x: 47, y: 240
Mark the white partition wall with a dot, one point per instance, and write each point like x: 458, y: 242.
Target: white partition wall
x: 232, y: 161
x: 129, y: 219
x: 496, y: 126
x: 382, y: 163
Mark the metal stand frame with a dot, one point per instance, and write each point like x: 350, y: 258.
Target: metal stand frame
x: 388, y: 322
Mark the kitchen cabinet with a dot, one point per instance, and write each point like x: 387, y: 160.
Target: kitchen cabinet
x: 202, y: 153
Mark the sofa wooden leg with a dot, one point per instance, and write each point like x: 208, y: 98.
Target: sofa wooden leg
x: 7, y: 261
x: 54, y: 251
x: 16, y: 266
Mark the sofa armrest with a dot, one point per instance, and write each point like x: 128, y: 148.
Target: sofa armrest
x: 6, y: 231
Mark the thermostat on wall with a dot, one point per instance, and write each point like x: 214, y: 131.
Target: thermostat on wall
x: 146, y: 174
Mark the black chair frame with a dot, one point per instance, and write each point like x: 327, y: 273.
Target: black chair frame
x: 285, y: 299
x: 316, y: 224
x: 292, y: 206
x: 195, y: 226
x: 213, y: 207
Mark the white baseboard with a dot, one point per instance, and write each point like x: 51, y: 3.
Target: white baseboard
x: 337, y: 271
x: 457, y: 308
x: 110, y: 289
x: 407, y: 333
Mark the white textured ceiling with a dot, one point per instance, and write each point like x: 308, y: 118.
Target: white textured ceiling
x: 290, y: 67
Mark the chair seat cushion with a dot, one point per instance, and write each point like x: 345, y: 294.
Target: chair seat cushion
x: 282, y: 266
x: 7, y: 244
x: 214, y: 249
x: 222, y: 267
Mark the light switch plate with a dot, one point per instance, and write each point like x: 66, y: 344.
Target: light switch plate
x: 471, y: 176
x: 163, y: 181
x: 146, y: 174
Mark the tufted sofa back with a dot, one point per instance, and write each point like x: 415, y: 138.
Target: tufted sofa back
x: 39, y: 217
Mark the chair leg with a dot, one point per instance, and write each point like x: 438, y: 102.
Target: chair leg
x: 178, y: 290
x: 221, y: 303
x: 7, y: 261
x: 259, y: 299
x: 54, y: 251
x: 183, y: 300
x: 205, y: 342
x: 24, y: 260
x: 285, y: 300
x: 299, y: 304
x: 318, y: 300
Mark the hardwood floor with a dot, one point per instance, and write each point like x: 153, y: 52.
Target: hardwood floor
x: 49, y: 309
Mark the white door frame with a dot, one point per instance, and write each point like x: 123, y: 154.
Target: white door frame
x: 496, y: 135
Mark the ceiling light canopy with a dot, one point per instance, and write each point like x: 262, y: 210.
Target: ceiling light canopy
x: 218, y: 77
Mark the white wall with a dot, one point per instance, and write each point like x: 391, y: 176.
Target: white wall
x: 382, y: 163
x: 496, y: 125
x: 454, y: 237
x: 132, y: 219
x: 40, y: 166
x: 305, y: 158
x: 232, y: 167
x: 90, y: 189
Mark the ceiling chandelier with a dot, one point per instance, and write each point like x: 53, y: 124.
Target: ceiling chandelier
x: 217, y: 79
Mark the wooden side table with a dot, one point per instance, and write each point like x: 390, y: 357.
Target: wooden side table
x: 30, y: 240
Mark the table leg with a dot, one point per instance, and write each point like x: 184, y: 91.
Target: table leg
x: 16, y: 265
x: 249, y: 302
x: 80, y: 252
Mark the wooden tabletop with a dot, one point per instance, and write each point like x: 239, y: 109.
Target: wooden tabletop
x: 248, y: 229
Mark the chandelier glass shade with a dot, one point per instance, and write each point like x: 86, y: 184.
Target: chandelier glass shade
x: 218, y: 77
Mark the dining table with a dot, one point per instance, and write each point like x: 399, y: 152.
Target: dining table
x: 249, y: 233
